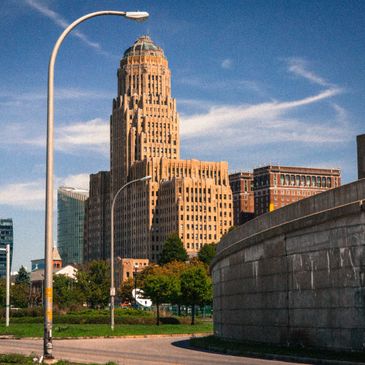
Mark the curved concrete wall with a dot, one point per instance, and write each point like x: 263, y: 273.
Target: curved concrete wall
x: 296, y: 275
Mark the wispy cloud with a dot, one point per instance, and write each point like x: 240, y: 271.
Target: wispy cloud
x: 30, y: 195
x: 27, y: 195
x: 229, y: 84
x: 92, y: 135
x: 63, y: 23
x: 227, y: 63
x: 299, y: 67
x: 61, y: 94
x: 272, y: 115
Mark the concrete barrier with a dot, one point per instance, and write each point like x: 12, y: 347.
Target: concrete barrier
x: 296, y: 275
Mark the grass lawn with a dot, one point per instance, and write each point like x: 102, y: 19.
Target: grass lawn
x: 264, y: 350
x: 76, y: 330
x: 28, y: 360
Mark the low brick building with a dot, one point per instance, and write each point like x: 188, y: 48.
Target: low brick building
x: 277, y: 186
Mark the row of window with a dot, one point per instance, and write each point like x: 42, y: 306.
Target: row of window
x: 305, y: 180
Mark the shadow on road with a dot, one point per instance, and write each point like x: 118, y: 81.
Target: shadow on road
x: 185, y: 344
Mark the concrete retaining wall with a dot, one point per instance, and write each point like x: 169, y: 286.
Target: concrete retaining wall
x: 297, y: 275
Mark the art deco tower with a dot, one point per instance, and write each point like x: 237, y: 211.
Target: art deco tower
x: 192, y: 197
x: 144, y: 120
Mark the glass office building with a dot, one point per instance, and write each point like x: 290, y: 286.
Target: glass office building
x: 70, y: 224
x: 6, y: 237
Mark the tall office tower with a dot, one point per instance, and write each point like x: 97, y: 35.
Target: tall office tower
x: 6, y: 237
x: 191, y: 197
x: 97, y: 218
x: 243, y: 199
x: 70, y: 224
x: 277, y: 186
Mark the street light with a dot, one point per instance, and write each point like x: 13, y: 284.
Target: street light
x: 7, y: 302
x: 112, y: 287
x: 48, y: 292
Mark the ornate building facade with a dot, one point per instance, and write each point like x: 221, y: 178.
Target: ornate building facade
x: 277, y: 186
x: 190, y: 197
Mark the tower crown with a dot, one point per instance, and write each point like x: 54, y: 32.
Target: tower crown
x: 142, y: 45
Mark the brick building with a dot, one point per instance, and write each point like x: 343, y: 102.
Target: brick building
x: 190, y: 197
x: 277, y: 186
x: 243, y: 197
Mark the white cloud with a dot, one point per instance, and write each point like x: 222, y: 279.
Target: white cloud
x: 80, y: 181
x: 27, y: 195
x: 30, y: 195
x: 299, y: 67
x: 224, y: 119
x: 92, y: 135
x: 9, y: 99
x: 227, y: 63
x: 61, y: 22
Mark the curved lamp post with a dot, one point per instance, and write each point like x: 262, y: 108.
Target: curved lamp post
x: 48, y: 287
x: 112, y: 286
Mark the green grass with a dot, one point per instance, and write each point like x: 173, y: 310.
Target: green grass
x: 85, y: 330
x: 28, y: 360
x: 264, y: 350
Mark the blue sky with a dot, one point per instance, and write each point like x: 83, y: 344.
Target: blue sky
x: 256, y: 82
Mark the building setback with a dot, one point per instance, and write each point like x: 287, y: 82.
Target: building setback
x: 70, y: 224
x: 192, y: 198
x: 243, y: 197
x: 6, y: 238
x: 97, y: 218
x: 277, y: 186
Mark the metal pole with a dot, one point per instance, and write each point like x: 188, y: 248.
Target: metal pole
x: 48, y: 287
x: 7, y: 284
x: 112, y: 285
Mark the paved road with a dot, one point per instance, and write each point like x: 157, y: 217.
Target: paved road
x: 130, y: 351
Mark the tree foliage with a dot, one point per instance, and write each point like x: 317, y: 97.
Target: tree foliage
x: 207, y: 253
x: 19, y: 295
x: 173, y: 250
x: 160, y: 288
x: 93, y: 281
x: 196, y: 287
x: 125, y: 291
x: 23, y: 276
x: 66, y: 293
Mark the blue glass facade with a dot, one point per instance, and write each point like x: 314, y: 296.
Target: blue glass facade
x: 6, y: 237
x: 70, y: 224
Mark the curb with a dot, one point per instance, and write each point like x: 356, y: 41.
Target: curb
x: 200, y: 334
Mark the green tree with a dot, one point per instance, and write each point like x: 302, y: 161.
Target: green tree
x: 176, y: 268
x: 196, y: 287
x: 160, y: 288
x: 207, y: 253
x: 173, y: 250
x: 93, y: 281
x: 19, y: 295
x: 125, y: 291
x: 65, y: 292
x: 23, y: 276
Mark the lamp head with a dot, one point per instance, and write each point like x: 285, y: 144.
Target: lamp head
x: 138, y: 16
x: 145, y: 178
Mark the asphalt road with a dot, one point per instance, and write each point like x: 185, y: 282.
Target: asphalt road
x: 129, y: 351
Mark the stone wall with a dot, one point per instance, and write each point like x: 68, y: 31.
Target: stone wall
x: 297, y: 275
